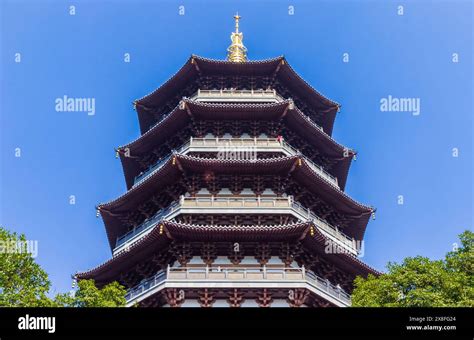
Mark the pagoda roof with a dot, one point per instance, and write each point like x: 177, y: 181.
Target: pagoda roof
x: 157, y: 239
x: 172, y: 170
x: 196, y: 67
x: 182, y: 113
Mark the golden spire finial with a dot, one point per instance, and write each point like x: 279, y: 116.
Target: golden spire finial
x: 237, y: 18
x: 237, y: 52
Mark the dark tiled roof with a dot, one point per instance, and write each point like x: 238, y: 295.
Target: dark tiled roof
x: 156, y: 239
x: 179, y: 118
x: 197, y: 67
x: 170, y: 172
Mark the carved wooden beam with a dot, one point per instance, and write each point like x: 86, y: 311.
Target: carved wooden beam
x: 208, y: 253
x: 262, y: 253
x: 235, y: 298
x: 182, y: 251
x: 264, y: 298
x: 206, y: 298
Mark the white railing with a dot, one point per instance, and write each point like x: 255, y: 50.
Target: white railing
x: 234, y: 142
x: 317, y: 168
x: 271, y: 203
x: 257, y: 144
x: 206, y: 205
x: 146, y: 225
x: 150, y: 170
x: 328, y: 229
x: 145, y: 285
x: 238, y: 274
x: 230, y: 95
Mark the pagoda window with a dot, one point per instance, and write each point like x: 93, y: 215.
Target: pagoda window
x: 195, y: 260
x: 225, y: 192
x: 274, y: 260
x: 221, y: 303
x: 222, y: 260
x: 249, y: 260
x: 268, y: 192
x: 190, y: 303
x: 249, y: 304
x: 247, y: 192
x: 279, y: 303
x: 203, y: 192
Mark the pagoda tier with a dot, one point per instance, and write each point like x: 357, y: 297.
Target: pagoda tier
x: 292, y: 256
x: 207, y: 74
x: 192, y: 118
x: 189, y: 176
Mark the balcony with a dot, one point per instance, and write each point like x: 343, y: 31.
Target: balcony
x: 142, y: 229
x: 238, y: 277
x: 239, y: 146
x: 238, y: 205
x: 150, y: 170
x: 236, y: 96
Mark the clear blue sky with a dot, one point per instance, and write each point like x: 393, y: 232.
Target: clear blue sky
x: 71, y: 153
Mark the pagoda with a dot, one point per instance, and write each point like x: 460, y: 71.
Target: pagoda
x: 235, y: 193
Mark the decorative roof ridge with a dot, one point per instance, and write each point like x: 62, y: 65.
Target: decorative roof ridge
x: 260, y: 161
x: 233, y: 227
x: 203, y: 104
x: 120, y: 255
x: 279, y: 58
x: 196, y: 57
x: 240, y: 105
x: 229, y: 161
x: 276, y: 159
x: 320, y: 130
x: 310, y: 86
x: 371, y: 209
x: 166, y: 82
x: 152, y: 233
x: 344, y: 254
x: 149, y: 131
x: 157, y: 171
x: 234, y: 105
x: 135, y: 187
x: 224, y: 61
x: 155, y: 232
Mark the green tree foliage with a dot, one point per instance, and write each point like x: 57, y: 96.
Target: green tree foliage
x: 23, y: 283
x: 88, y: 295
x: 421, y: 282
